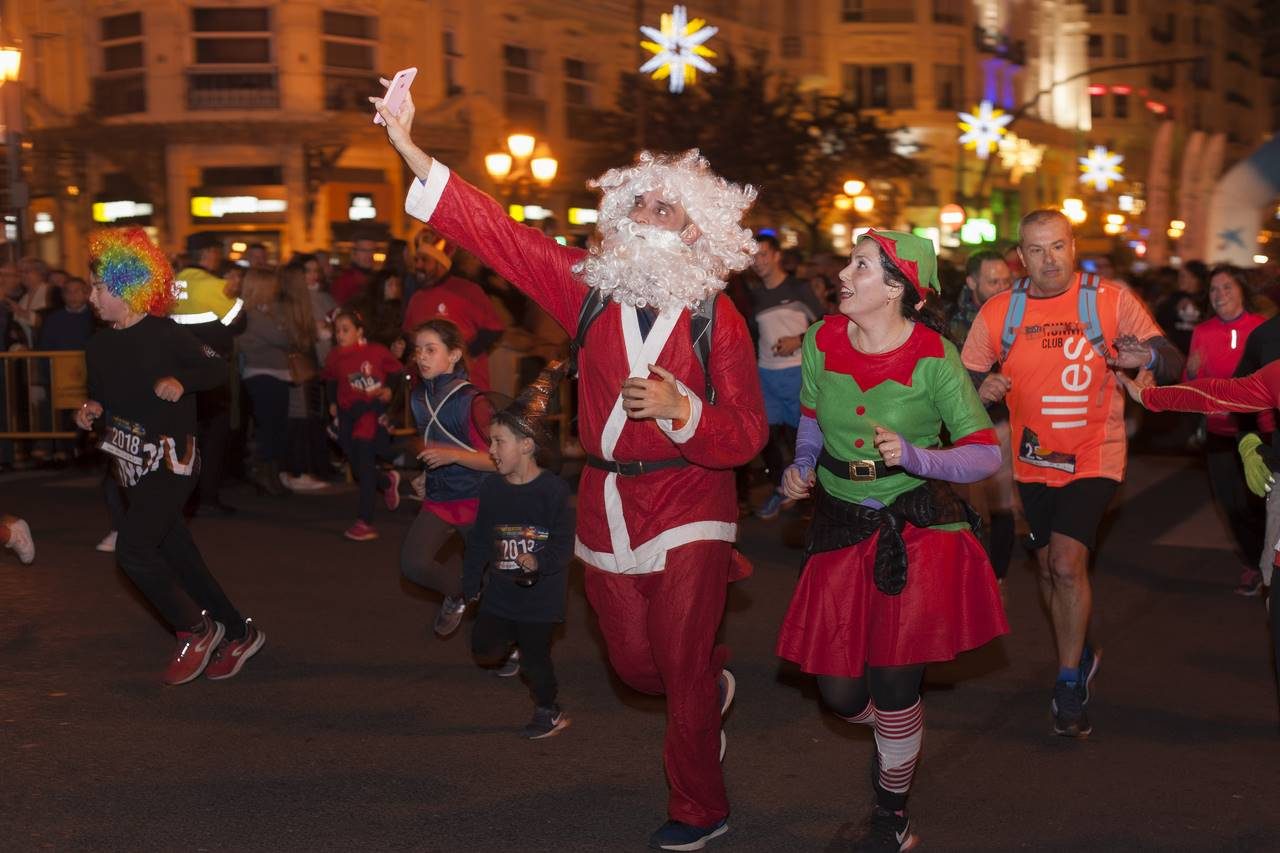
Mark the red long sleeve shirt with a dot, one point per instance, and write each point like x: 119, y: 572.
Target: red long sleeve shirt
x: 1256, y: 392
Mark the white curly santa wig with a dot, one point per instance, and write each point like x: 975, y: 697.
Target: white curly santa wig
x: 660, y: 270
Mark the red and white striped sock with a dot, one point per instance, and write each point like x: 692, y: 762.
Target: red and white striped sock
x: 867, y: 716
x: 898, y: 738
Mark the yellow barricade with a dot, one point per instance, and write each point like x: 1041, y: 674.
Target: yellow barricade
x: 35, y: 386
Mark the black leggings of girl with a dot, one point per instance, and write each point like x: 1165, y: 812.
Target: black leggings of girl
x: 364, y: 465
x: 156, y: 551
x: 420, y: 554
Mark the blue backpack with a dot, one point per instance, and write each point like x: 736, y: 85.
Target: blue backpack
x: 1086, y: 310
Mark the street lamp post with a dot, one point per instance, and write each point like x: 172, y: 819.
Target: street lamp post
x: 524, y: 162
x: 854, y: 202
x: 10, y: 63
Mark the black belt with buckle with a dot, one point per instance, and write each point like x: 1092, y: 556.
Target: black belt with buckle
x: 635, y: 469
x: 860, y: 470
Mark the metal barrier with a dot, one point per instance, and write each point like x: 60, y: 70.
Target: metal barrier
x: 37, y: 385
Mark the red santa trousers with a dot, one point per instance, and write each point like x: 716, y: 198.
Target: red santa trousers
x: 660, y: 630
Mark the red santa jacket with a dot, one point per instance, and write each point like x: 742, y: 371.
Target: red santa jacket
x: 625, y: 524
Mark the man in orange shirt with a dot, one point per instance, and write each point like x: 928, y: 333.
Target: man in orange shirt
x: 1066, y: 414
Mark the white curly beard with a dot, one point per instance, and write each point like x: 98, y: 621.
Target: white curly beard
x: 643, y: 265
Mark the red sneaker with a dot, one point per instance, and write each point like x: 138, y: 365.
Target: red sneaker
x: 231, y: 655
x: 195, y: 648
x: 392, y: 494
x: 361, y: 532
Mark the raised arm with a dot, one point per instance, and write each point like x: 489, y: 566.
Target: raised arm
x: 533, y: 262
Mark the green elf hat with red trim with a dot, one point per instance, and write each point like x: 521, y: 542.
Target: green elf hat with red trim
x: 913, y: 255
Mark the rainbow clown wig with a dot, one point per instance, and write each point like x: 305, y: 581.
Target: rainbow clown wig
x: 133, y: 268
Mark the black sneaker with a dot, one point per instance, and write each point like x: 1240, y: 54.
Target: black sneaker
x: 546, y: 722
x: 888, y: 831
x: 1069, y: 716
x: 674, y: 835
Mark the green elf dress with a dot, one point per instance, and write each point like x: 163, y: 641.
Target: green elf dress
x: 894, y: 574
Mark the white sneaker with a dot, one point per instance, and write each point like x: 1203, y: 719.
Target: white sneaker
x: 305, y: 483
x: 108, y: 543
x: 20, y: 541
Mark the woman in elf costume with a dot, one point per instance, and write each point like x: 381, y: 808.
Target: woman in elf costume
x: 894, y: 577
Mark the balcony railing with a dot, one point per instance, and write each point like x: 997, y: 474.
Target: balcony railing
x: 232, y: 90
x: 120, y: 95
x: 350, y: 93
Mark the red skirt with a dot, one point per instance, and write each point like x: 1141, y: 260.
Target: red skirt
x: 838, y: 622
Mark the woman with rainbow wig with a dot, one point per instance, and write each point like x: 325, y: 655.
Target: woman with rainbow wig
x: 143, y: 372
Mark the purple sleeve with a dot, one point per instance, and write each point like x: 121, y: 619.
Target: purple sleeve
x: 808, y: 444
x: 966, y: 464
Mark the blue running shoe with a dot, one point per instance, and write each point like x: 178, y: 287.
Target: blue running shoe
x: 1069, y: 716
x: 674, y: 835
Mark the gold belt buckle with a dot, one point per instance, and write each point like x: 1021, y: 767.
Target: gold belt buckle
x: 862, y: 469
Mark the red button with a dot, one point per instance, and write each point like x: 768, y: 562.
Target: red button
x: 862, y: 410
x: 858, y: 443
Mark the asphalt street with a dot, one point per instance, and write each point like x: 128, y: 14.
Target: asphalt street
x: 357, y: 729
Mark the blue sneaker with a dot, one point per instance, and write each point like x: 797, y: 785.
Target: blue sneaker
x: 674, y: 835
x: 1069, y: 716
x: 1090, y: 660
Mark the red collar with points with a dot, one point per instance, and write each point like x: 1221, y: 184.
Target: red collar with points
x: 870, y: 370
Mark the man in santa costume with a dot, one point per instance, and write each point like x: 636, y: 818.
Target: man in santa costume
x: 657, y: 507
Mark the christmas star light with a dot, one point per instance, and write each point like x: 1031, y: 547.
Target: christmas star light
x: 1101, y: 168
x: 678, y: 50
x: 983, y: 128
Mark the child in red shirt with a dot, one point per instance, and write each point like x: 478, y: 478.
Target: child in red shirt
x: 361, y: 370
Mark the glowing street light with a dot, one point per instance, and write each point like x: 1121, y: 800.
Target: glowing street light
x: 854, y: 187
x: 521, y: 145
x: 864, y: 203
x: 544, y: 169
x: 498, y: 165
x: 10, y: 63
x: 1073, y: 209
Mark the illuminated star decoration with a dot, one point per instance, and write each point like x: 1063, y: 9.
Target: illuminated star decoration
x: 1020, y: 156
x: 983, y: 128
x: 1101, y: 168
x: 677, y: 48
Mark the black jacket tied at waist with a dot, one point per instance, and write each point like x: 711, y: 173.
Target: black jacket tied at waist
x: 839, y: 524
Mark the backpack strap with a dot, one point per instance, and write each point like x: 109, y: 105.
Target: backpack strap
x: 1087, y: 309
x: 1013, y: 316
x: 701, y: 325
x: 592, y: 306
x: 702, y: 322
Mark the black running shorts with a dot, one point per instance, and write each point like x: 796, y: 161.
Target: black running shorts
x: 1073, y: 510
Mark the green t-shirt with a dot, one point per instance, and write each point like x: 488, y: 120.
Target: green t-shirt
x: 913, y: 390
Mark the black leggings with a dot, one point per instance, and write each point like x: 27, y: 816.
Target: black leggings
x: 1226, y: 481
x: 420, y: 554
x: 156, y: 551
x: 364, y: 466
x: 492, y: 638
x: 894, y: 688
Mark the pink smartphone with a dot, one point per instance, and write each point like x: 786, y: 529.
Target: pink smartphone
x: 394, y: 98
